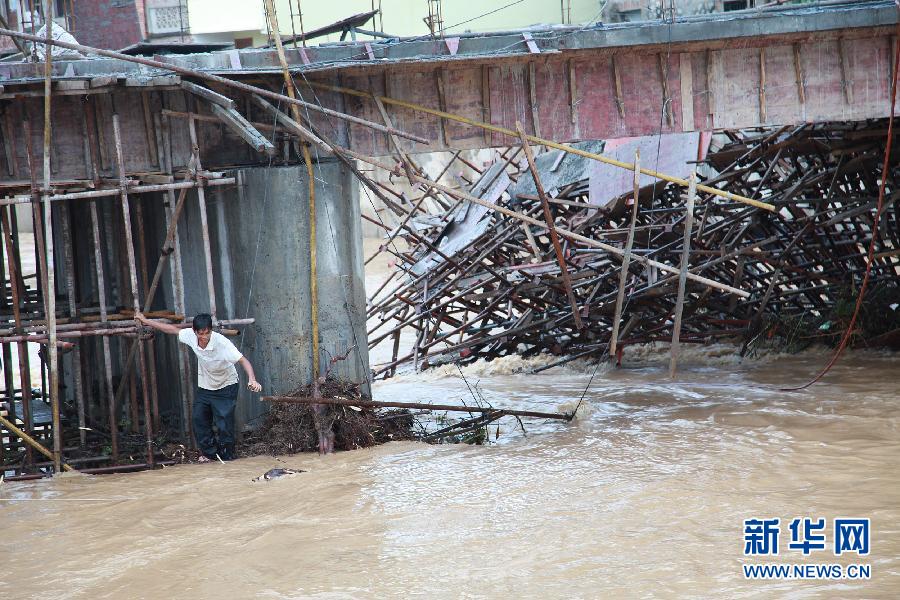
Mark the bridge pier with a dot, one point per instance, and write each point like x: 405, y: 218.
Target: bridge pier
x: 266, y: 238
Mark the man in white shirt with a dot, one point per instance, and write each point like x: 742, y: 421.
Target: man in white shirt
x: 217, y: 384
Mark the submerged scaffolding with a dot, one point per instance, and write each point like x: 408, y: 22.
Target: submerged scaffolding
x: 123, y: 170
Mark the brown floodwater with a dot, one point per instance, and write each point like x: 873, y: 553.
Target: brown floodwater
x: 643, y: 495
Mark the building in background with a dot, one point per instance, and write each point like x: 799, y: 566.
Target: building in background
x: 406, y: 18
x: 165, y: 24
x: 118, y: 24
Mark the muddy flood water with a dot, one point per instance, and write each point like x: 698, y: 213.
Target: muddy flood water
x: 643, y: 495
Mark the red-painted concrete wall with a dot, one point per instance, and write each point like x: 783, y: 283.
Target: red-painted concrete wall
x: 110, y: 24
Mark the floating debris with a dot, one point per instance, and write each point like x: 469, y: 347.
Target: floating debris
x: 278, y: 474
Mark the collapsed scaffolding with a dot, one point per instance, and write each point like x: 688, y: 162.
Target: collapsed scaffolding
x: 558, y: 275
x: 476, y: 284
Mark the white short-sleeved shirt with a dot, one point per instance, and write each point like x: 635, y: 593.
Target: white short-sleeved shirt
x: 215, y: 363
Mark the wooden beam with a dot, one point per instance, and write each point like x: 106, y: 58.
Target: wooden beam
x: 846, y: 80
x: 551, y: 227
x: 890, y: 76
x: 416, y: 406
x: 687, y: 91
x: 148, y: 129
x: 532, y: 95
x: 573, y: 95
x: 682, y: 275
x: 617, y: 81
x: 626, y: 259
x: 208, y: 95
x: 486, y: 101
x: 241, y: 126
x: 667, y: 97
x: 33, y: 443
x: 291, y: 125
x: 710, y: 87
x: 9, y: 144
x: 798, y: 73
x: 762, y: 85
x: 440, y: 78
x: 404, y: 159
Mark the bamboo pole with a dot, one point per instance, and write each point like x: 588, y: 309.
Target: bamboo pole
x: 15, y: 265
x: 148, y: 344
x: 35, y: 444
x: 148, y: 301
x: 34, y: 333
x: 313, y: 265
x: 290, y: 124
x: 541, y: 141
x: 107, y: 357
x: 626, y: 258
x: 68, y: 252
x: 682, y: 276
x: 204, y: 225
x: 176, y: 280
x: 135, y: 290
x: 48, y: 219
x: 19, y: 45
x: 551, y: 228
x: 136, y: 189
x: 22, y: 348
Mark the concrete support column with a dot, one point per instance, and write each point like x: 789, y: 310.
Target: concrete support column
x: 267, y: 225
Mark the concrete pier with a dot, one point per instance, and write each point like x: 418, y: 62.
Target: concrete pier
x: 260, y: 235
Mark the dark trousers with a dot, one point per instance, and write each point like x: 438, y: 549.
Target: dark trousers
x: 215, y: 407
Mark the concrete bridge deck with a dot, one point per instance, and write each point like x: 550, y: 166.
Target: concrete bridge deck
x: 723, y: 71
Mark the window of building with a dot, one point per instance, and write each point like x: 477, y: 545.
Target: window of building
x: 730, y: 5
x: 168, y: 16
x: 632, y: 15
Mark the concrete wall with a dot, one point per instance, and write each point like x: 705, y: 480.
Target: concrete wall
x: 265, y: 222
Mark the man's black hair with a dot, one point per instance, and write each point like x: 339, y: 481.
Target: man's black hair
x: 202, y: 321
